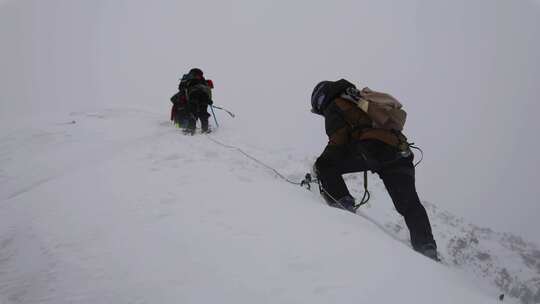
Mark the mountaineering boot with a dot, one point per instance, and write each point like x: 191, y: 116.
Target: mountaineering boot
x: 189, y: 126
x: 188, y: 131
x: 429, y: 250
x: 204, y: 125
x: 346, y: 203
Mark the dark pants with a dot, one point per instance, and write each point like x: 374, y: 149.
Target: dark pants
x: 198, y: 111
x: 186, y: 116
x: 396, y: 172
x: 180, y: 116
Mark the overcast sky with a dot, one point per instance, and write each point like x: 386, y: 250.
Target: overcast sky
x: 466, y: 70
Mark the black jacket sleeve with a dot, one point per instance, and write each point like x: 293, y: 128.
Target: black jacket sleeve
x: 333, y: 119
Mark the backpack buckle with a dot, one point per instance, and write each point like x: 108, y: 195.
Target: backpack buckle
x: 404, y: 149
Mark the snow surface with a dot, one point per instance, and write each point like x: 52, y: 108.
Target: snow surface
x: 103, y: 201
x: 116, y: 206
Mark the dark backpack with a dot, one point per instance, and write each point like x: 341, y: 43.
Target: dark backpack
x: 175, y: 99
x: 199, y: 91
x: 326, y: 91
x: 194, y: 90
x: 180, y: 97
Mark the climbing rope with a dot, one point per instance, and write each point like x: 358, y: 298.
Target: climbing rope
x: 421, y: 153
x: 255, y: 160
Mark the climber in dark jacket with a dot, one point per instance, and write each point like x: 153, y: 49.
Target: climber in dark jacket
x: 355, y: 145
x: 192, y: 101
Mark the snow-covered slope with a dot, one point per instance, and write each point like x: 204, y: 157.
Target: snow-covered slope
x: 102, y: 201
x: 503, y: 260
x: 116, y: 206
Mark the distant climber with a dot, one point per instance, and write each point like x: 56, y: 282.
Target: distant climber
x: 191, y: 102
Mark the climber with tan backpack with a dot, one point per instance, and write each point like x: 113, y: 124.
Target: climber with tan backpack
x: 364, y: 129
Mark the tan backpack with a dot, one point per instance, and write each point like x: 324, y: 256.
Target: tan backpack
x: 384, y: 110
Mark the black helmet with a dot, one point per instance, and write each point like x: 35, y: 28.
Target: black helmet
x: 325, y: 91
x: 196, y: 72
x: 318, y: 98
